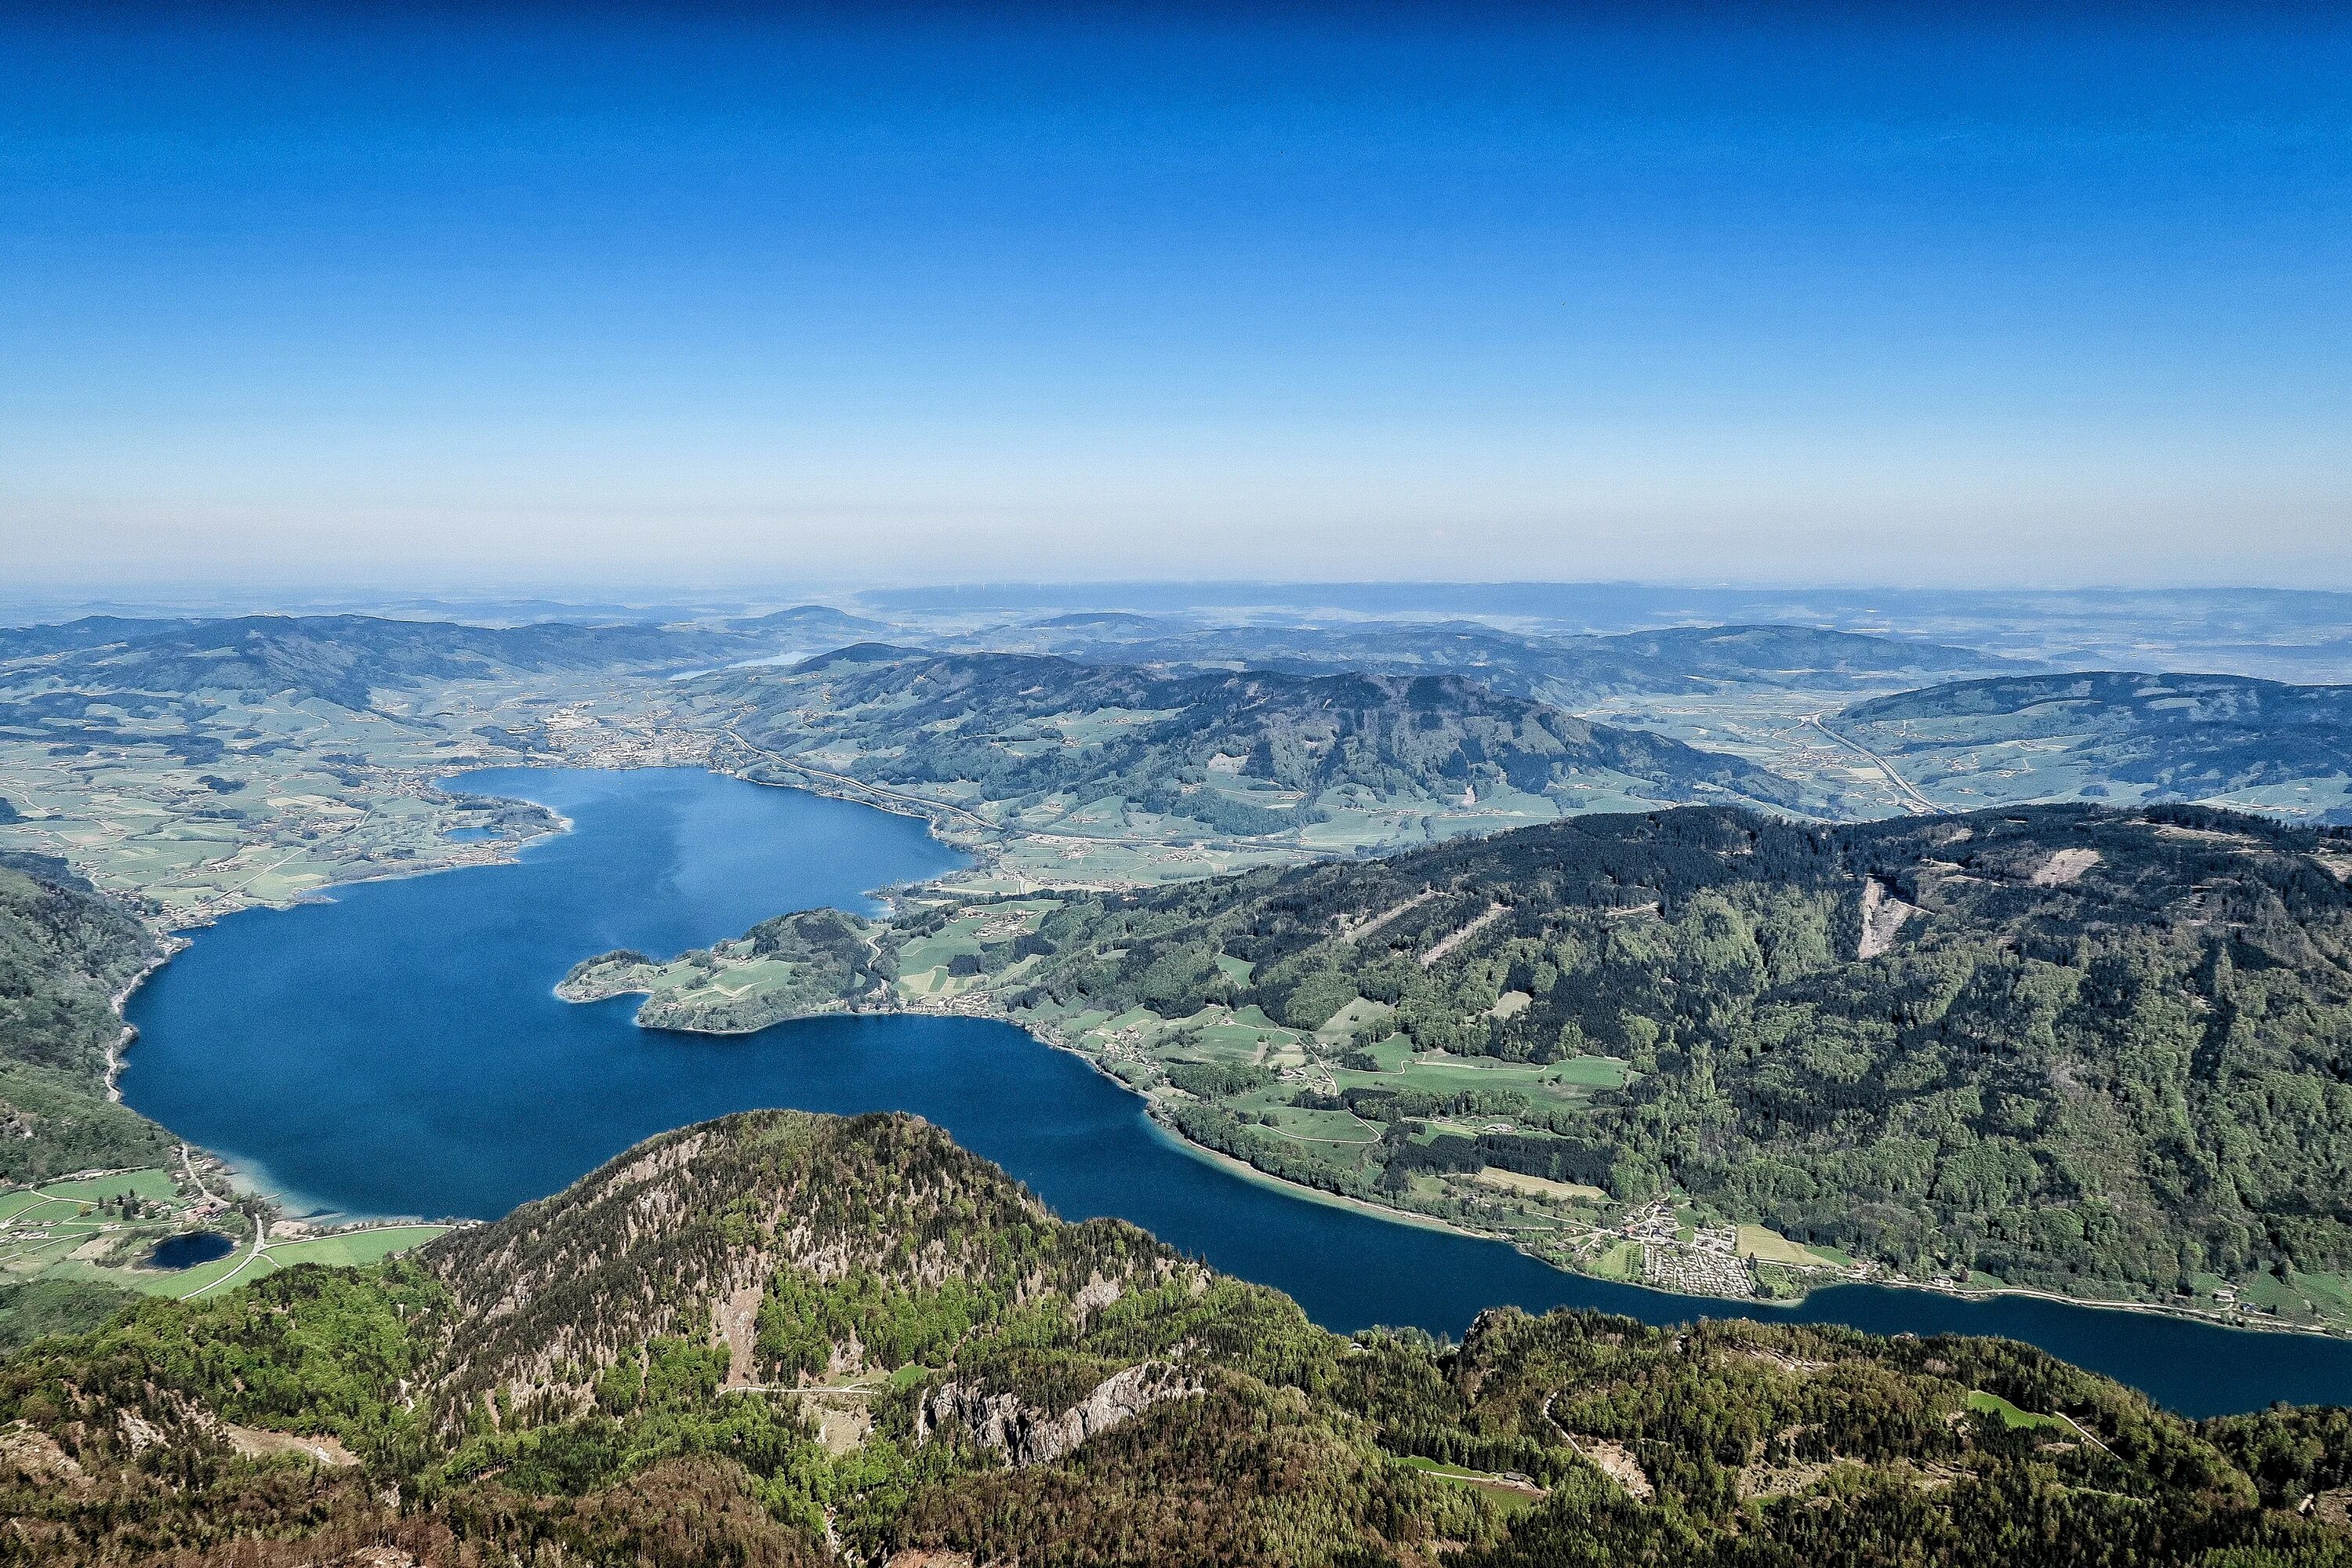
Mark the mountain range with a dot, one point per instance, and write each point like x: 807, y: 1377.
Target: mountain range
x: 1245, y: 752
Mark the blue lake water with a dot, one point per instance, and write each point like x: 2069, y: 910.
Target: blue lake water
x: 400, y: 1050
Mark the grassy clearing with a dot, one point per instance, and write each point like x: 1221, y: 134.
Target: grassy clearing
x: 356, y: 1249
x: 156, y: 1186
x: 1344, y: 1023
x: 1591, y: 1072
x: 1562, y: 1083
x: 2012, y: 1416
x: 1536, y: 1186
x: 1510, y: 1495
x: 1619, y: 1261
x: 1768, y: 1246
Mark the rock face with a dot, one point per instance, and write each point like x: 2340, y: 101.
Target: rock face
x: 1027, y: 1436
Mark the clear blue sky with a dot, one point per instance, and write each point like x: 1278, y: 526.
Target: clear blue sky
x: 1729, y: 293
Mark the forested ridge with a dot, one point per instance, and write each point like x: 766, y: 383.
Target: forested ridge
x: 342, y: 659
x: 65, y: 952
x: 1246, y: 752
x: 1566, y: 671
x: 2068, y: 1047
x: 553, y: 1388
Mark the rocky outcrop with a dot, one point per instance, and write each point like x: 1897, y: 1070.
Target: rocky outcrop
x: 1028, y: 1436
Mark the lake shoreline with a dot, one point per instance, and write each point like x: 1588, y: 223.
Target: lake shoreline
x: 397, y: 1051
x: 1244, y: 1170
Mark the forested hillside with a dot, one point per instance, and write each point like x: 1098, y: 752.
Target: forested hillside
x: 609, y: 1377
x: 2122, y: 735
x: 1245, y: 752
x: 335, y: 658
x: 1566, y: 671
x: 65, y: 952
x: 2072, y: 1048
x: 789, y: 967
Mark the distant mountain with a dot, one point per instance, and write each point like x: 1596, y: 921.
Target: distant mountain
x: 2119, y: 733
x: 1567, y: 672
x: 785, y: 1340
x: 1108, y: 623
x: 90, y: 631
x: 1248, y: 752
x: 811, y: 621
x: 340, y: 658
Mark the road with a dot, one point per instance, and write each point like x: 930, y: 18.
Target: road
x: 847, y: 782
x: 1911, y: 797
x: 194, y: 1180
x: 260, y: 1238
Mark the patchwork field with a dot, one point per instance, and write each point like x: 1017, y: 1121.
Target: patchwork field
x: 100, y: 1231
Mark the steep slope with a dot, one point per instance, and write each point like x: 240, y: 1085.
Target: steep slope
x: 554, y: 1389
x: 2218, y: 738
x: 1249, y: 752
x: 65, y: 954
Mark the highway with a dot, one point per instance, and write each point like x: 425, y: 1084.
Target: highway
x: 1911, y: 797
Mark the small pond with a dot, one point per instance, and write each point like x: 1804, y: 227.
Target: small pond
x: 189, y: 1248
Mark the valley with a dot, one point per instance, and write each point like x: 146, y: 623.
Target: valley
x: 1122, y: 811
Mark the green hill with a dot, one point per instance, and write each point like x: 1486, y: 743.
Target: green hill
x: 2085, y: 1049
x: 2225, y: 738
x: 1039, y: 740
x: 606, y: 1377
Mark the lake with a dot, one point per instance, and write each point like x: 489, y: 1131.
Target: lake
x: 189, y: 1248
x: 400, y: 1052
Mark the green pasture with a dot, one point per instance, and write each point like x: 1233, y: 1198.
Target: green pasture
x: 1348, y: 1019
x: 153, y: 1184
x: 354, y: 1248
x: 1564, y: 1082
x: 1391, y: 1053
x: 16, y: 1203
x: 1333, y: 1128
x: 1509, y: 1496
x: 1591, y: 1072
x: 1768, y: 1246
x: 2012, y: 1416
x: 1618, y: 1260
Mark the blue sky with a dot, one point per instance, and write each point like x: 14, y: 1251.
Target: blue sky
x: 446, y: 296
